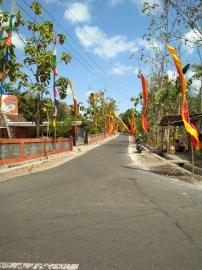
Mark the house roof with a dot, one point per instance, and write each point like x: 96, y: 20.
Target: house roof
x: 17, y: 121
x: 14, y: 120
x: 176, y: 120
x: 2, y: 121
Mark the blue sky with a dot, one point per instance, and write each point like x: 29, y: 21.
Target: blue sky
x: 103, y: 34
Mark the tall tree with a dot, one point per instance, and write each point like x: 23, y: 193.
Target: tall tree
x: 39, y: 56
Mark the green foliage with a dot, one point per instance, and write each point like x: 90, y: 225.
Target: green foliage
x: 62, y: 38
x: 62, y: 84
x: 92, y: 130
x: 36, y: 7
x: 39, y: 57
x: 66, y: 58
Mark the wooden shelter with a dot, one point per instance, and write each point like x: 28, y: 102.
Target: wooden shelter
x: 176, y: 121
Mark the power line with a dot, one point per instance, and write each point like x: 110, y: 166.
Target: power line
x: 83, y: 27
x: 77, y: 56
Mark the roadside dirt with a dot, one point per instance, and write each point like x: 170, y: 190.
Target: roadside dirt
x: 156, y: 164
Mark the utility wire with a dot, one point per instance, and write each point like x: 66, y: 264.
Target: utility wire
x: 87, y: 32
x: 86, y: 64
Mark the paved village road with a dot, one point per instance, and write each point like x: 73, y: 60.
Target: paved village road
x: 101, y: 212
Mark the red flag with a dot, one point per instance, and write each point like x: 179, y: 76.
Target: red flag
x: 190, y: 128
x: 145, y: 97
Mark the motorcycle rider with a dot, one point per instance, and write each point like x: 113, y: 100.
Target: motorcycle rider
x: 139, y: 144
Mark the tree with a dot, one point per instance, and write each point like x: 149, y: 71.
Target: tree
x: 39, y: 56
x: 177, y: 22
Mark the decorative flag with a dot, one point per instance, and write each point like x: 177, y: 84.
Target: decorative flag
x: 119, y: 118
x: 55, y: 93
x: 110, y: 124
x: 6, y: 56
x: 145, y: 97
x: 132, y: 124
x: 190, y: 128
x: 75, y: 106
x: 54, y: 121
x: 72, y: 90
x: 74, y: 98
x: 94, y: 100
x: 8, y: 41
x: 105, y: 115
x: 55, y: 73
x: 95, y: 112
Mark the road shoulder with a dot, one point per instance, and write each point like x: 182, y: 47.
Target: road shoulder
x: 151, y: 162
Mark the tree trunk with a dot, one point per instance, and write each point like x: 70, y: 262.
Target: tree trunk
x: 38, y: 116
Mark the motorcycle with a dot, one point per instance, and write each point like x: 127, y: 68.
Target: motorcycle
x: 139, y: 145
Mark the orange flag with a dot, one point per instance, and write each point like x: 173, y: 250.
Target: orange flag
x: 75, y: 106
x: 145, y: 97
x: 132, y: 124
x: 190, y: 128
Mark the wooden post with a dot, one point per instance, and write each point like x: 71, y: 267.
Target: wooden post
x: 7, y: 125
x: 168, y: 140
x: 192, y: 158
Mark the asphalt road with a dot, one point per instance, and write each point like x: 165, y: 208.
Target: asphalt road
x: 103, y: 213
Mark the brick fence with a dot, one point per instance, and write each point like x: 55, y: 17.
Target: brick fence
x: 96, y: 137
x: 18, y: 150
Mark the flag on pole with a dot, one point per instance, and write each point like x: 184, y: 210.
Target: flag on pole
x: 55, y: 93
x: 190, y: 128
x: 75, y: 105
x: 119, y: 118
x: 8, y: 41
x: 72, y: 90
x: 145, y: 97
x: 94, y: 100
x: 55, y: 73
x: 54, y: 118
x: 132, y: 124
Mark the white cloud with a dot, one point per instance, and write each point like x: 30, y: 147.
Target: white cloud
x: 122, y: 70
x: 196, y: 84
x: 191, y: 40
x: 101, y: 44
x: 18, y: 41
x: 77, y: 13
x: 172, y: 75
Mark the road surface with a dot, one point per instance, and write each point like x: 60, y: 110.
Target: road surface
x: 100, y: 212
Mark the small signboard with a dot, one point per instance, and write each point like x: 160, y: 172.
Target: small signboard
x: 9, y: 104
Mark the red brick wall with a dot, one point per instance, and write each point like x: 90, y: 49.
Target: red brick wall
x: 18, y: 146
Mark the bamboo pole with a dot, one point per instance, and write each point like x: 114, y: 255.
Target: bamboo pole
x: 192, y: 158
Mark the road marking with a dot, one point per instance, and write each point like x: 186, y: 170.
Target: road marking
x: 35, y: 266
